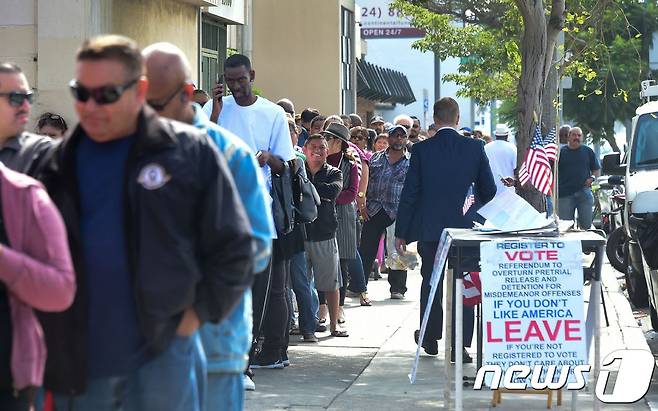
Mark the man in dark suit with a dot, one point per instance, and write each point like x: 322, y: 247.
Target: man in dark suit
x: 440, y: 173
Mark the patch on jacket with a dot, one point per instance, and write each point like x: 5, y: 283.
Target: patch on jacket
x: 153, y: 176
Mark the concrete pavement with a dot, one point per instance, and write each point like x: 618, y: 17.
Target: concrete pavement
x: 369, y: 369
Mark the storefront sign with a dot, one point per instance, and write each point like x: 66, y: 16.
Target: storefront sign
x: 379, y: 20
x: 231, y: 11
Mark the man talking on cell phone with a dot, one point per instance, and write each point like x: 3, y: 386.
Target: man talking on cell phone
x: 263, y: 126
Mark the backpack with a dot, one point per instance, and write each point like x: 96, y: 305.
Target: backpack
x: 305, y: 198
x: 282, y: 201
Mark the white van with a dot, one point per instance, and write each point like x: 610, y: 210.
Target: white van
x: 640, y: 170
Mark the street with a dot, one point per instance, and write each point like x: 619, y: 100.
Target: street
x: 368, y: 370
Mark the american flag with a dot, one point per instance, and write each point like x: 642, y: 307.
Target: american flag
x: 550, y: 146
x: 536, y: 167
x: 469, y: 200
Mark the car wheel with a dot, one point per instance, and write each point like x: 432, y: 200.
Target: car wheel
x: 614, y: 249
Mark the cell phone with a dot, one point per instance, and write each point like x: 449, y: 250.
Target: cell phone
x: 220, y: 80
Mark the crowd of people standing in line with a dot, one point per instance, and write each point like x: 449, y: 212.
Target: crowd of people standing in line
x: 156, y: 253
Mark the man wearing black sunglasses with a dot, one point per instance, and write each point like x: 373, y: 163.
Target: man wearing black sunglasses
x: 19, y: 150
x: 160, y: 240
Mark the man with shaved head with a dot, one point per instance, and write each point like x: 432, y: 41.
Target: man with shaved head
x: 226, y: 344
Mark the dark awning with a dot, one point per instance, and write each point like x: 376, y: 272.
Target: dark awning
x: 382, y: 84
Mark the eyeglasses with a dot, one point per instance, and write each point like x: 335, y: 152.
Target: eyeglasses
x: 101, y: 95
x: 16, y: 98
x: 161, y: 106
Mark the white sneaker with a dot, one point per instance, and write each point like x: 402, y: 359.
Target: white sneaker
x: 249, y: 384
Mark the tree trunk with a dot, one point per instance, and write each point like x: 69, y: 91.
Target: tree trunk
x: 610, y: 138
x: 537, y: 47
x: 533, y: 53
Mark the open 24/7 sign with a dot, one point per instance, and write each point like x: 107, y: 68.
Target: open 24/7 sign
x: 380, y: 20
x: 532, y: 303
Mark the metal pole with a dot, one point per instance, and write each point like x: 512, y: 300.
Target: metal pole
x: 448, y: 333
x: 459, y: 341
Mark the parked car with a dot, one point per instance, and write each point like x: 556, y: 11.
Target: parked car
x: 640, y: 171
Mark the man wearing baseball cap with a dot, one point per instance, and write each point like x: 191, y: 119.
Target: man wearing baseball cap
x: 502, y: 157
x: 377, y: 124
x: 388, y: 169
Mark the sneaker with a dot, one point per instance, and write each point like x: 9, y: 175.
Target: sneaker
x: 262, y: 361
x: 284, y: 359
x: 310, y: 338
x: 249, y: 383
x: 397, y: 296
x: 321, y: 328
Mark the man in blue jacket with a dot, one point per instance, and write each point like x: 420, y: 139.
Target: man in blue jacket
x: 440, y: 173
x: 226, y: 344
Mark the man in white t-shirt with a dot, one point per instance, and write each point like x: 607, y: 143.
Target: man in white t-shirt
x: 502, y: 157
x: 256, y: 120
x: 264, y: 127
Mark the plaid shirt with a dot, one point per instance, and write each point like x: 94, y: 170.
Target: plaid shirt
x: 385, y: 183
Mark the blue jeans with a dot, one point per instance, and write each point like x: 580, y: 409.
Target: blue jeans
x: 226, y: 393
x: 583, y: 201
x: 357, y: 276
x: 167, y: 382
x: 302, y: 288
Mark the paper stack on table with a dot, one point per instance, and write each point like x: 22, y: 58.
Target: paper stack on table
x: 508, y: 213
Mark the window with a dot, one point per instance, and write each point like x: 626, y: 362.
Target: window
x: 348, y: 95
x: 213, y: 53
x: 645, y: 142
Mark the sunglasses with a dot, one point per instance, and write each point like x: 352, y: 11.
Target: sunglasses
x: 161, y: 106
x: 101, y: 95
x: 16, y: 98
x: 53, y: 118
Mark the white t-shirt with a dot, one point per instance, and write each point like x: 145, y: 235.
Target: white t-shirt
x: 502, y: 159
x: 262, y: 125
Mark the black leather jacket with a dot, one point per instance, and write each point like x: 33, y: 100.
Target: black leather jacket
x: 328, y: 182
x: 187, y: 236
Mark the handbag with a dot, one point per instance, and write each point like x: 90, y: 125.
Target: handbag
x: 305, y: 198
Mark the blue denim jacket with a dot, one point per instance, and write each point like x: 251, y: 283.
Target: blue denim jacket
x: 227, y: 344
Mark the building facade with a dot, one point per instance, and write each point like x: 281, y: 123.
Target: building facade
x: 42, y: 37
x: 306, y: 51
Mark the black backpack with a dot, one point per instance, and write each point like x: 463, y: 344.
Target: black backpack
x: 305, y: 198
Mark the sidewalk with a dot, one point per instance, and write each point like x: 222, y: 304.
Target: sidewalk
x: 368, y: 370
